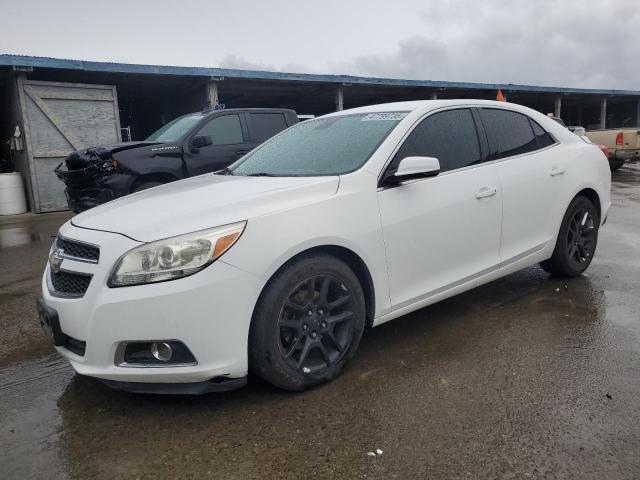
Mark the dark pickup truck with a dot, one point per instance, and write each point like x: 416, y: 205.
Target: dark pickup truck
x: 190, y: 145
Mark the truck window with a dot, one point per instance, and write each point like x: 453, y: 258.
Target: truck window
x: 223, y: 130
x: 266, y: 125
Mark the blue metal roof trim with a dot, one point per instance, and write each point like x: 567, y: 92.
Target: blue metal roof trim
x: 108, y: 67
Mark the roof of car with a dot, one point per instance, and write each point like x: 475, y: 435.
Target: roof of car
x: 426, y: 105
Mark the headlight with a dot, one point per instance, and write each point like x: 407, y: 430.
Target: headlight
x: 174, y: 257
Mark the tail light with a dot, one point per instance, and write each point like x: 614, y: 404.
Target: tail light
x: 604, y: 150
x: 620, y: 138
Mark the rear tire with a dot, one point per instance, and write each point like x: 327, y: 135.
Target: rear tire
x: 307, y: 324
x: 577, y: 240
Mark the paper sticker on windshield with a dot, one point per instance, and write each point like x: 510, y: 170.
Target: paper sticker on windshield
x: 383, y: 116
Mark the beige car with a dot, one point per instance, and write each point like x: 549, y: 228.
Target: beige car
x: 623, y: 144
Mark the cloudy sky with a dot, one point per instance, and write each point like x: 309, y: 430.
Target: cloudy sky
x: 586, y: 43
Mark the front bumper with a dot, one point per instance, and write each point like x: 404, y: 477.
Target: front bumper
x: 209, y: 312
x: 93, y: 185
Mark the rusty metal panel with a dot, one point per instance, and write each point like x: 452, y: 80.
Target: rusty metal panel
x: 60, y: 118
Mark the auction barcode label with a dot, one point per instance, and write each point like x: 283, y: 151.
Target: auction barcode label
x: 373, y: 117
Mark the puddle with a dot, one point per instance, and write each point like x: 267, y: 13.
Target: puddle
x: 31, y: 422
x: 16, y: 236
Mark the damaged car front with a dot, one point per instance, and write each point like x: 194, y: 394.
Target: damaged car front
x: 94, y: 175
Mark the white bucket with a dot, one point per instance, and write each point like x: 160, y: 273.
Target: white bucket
x: 12, y: 201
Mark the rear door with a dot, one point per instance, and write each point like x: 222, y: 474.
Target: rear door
x: 442, y: 231
x: 533, y: 179
x: 229, y: 142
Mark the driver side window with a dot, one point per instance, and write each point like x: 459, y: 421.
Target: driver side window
x: 223, y: 130
x: 450, y: 136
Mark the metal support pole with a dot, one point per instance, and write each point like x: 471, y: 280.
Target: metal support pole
x: 212, y: 93
x: 603, y: 112
x: 557, y: 108
x: 434, y: 96
x: 340, y: 98
x: 638, y: 114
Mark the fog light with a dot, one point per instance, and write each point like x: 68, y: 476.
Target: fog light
x: 154, y: 353
x: 161, y: 351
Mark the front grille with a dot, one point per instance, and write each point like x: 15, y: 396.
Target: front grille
x: 72, y: 248
x: 69, y: 284
x: 76, y: 346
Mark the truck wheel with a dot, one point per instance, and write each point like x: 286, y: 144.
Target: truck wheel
x: 138, y: 187
x: 577, y: 240
x: 615, y: 164
x: 307, y: 324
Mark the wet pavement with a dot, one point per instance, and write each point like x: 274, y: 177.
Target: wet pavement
x: 527, y: 377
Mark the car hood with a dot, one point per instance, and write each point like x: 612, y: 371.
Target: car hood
x: 202, y: 202
x: 84, y: 158
x: 105, y: 151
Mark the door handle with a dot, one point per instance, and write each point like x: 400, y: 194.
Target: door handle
x: 485, y: 192
x: 557, y: 171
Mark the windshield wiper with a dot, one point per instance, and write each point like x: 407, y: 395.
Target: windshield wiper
x: 260, y: 174
x: 224, y: 171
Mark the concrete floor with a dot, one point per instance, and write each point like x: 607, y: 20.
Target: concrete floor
x: 527, y: 377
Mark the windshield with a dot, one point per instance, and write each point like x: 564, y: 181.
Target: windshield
x: 326, y: 146
x: 175, y: 129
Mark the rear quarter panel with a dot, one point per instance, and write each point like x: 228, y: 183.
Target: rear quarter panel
x: 588, y: 168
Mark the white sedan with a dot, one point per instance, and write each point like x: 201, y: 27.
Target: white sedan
x: 279, y: 263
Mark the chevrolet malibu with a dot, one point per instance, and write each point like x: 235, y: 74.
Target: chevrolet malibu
x: 280, y: 262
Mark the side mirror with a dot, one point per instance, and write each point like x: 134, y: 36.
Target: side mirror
x: 414, y: 167
x: 201, y: 141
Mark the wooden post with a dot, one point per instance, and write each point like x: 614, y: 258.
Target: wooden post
x: 340, y: 98
x: 603, y: 112
x: 212, y: 93
x: 557, y: 108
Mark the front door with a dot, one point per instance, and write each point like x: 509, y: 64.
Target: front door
x: 227, y: 145
x: 442, y: 231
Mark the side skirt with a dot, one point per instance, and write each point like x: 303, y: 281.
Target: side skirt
x: 526, y: 259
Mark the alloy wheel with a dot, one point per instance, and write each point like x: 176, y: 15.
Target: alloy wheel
x: 315, y: 326
x: 581, y: 236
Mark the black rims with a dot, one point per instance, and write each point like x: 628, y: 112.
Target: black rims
x: 577, y: 240
x: 308, y: 322
x: 315, y: 325
x: 581, y: 237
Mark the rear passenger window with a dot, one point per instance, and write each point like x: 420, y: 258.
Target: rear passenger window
x: 542, y: 136
x: 449, y: 136
x: 266, y: 125
x: 509, y: 133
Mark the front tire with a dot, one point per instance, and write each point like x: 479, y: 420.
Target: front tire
x: 577, y: 240
x: 308, y: 323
